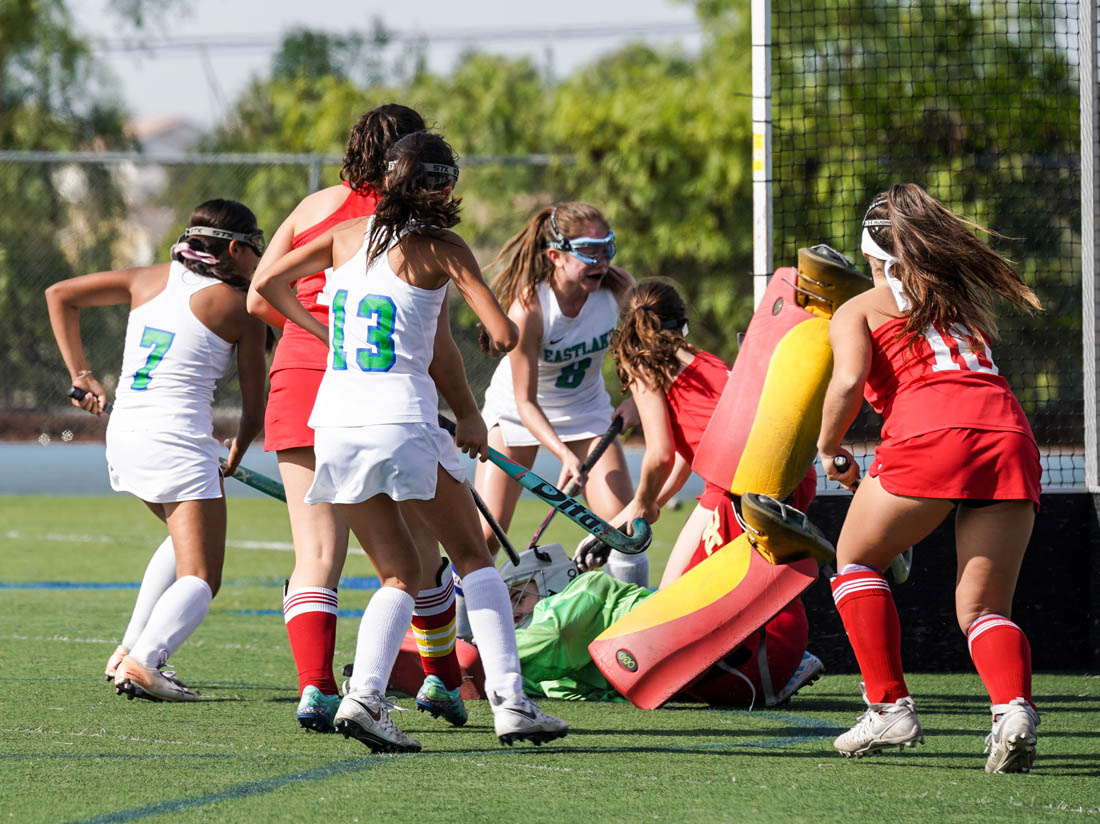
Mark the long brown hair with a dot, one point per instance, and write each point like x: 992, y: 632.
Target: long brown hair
x: 651, y: 330
x: 371, y: 137
x: 218, y: 214
x: 949, y: 274
x: 412, y: 196
x: 523, y: 260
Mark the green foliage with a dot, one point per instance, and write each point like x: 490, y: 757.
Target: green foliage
x: 977, y: 102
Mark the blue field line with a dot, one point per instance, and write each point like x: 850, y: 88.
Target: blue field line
x: 69, y: 585
x: 264, y: 613
x: 248, y: 788
x: 367, y: 583
x: 267, y: 785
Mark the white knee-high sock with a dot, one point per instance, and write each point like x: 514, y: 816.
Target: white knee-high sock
x: 630, y: 569
x: 385, y: 621
x: 494, y: 630
x: 177, y: 614
x: 159, y: 575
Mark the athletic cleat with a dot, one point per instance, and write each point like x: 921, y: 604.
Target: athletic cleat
x: 809, y: 670
x: 113, y: 662
x: 882, y: 726
x: 316, y: 710
x: 434, y: 697
x: 365, y: 716
x: 518, y: 718
x: 1011, y: 744
x: 135, y: 681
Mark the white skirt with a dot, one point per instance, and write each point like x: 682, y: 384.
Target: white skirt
x: 163, y: 467
x: 399, y: 460
x: 570, y: 424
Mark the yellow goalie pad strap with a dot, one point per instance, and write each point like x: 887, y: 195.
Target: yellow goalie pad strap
x: 781, y: 443
x: 782, y: 533
x: 700, y: 586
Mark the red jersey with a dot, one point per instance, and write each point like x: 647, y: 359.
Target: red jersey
x: 691, y: 400
x: 945, y: 380
x: 298, y: 349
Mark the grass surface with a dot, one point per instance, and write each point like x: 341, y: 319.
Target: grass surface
x: 71, y: 750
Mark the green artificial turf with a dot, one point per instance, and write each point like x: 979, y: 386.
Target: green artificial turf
x: 71, y: 750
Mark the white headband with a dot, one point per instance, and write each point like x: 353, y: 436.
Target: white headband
x: 868, y: 246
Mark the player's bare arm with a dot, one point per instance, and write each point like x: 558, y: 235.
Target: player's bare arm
x: 275, y: 283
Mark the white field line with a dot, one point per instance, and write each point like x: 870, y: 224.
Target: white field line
x: 16, y: 535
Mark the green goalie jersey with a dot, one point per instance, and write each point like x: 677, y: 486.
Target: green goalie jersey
x: 553, y: 649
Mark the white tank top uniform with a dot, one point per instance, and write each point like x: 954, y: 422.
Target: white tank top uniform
x: 160, y: 443
x: 376, y: 413
x: 571, y: 390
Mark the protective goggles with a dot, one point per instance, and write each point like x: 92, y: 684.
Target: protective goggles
x: 438, y: 174
x: 588, y: 250
x: 254, y: 239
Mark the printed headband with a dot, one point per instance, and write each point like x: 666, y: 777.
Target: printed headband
x: 870, y: 247
x: 436, y: 171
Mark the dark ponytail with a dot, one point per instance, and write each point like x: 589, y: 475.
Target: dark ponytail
x: 371, y: 137
x: 228, y: 215
x: 411, y: 195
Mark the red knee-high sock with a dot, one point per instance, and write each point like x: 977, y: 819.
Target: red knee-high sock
x: 1002, y: 656
x: 866, y: 606
x: 434, y: 627
x: 310, y: 615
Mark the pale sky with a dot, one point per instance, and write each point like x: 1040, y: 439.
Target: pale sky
x: 220, y: 44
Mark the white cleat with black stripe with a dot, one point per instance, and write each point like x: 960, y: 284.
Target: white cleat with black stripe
x: 518, y: 718
x: 365, y: 716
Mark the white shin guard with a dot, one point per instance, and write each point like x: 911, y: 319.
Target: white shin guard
x: 630, y: 569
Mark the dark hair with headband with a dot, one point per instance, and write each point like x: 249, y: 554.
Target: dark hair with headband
x: 209, y: 256
x: 651, y: 330
x: 523, y: 260
x: 949, y: 274
x: 371, y: 137
x: 412, y: 196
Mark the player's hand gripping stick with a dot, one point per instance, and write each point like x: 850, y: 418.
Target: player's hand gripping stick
x: 77, y: 394
x: 575, y: 511
x: 572, y: 488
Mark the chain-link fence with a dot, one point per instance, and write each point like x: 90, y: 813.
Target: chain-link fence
x: 979, y: 104
x: 66, y: 214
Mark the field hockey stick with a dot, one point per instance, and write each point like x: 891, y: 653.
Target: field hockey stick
x: 572, y: 488
x: 483, y: 508
x: 902, y: 564
x: 77, y: 394
x: 266, y: 485
x: 248, y: 477
x: 575, y: 511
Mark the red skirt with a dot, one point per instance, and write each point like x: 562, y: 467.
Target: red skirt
x: 960, y: 464
x: 289, y: 404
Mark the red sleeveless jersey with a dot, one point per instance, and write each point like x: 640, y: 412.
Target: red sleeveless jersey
x: 692, y: 398
x: 297, y: 348
x: 945, y: 380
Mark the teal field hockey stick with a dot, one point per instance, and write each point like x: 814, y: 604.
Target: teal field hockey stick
x: 572, y: 509
x: 572, y: 488
x: 266, y: 485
